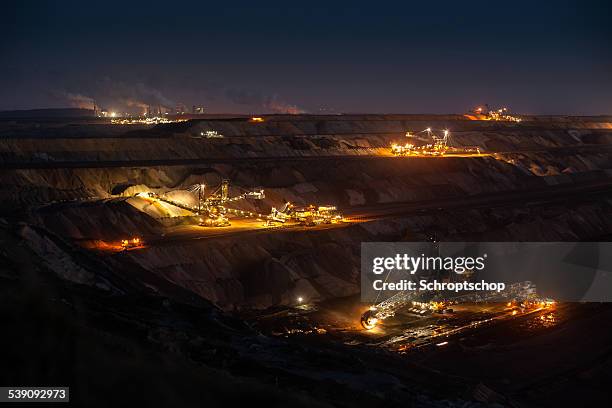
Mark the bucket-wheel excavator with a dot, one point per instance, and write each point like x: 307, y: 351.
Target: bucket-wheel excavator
x: 215, y: 205
x: 521, y: 292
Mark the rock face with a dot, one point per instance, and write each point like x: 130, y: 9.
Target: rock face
x: 262, y: 270
x: 100, y: 160
x: 79, y: 184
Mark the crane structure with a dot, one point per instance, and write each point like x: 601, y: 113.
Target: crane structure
x: 215, y: 205
x: 524, y: 293
x: 430, y: 143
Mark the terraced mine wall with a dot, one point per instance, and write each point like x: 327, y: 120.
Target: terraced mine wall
x: 277, y: 137
x: 70, y: 163
x: 260, y: 270
x: 72, y: 185
x: 273, y: 269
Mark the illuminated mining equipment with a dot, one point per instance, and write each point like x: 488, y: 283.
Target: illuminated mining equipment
x: 131, y: 243
x: 215, y: 209
x: 522, y: 293
x: 218, y: 221
x: 329, y: 214
x: 434, y: 145
x: 215, y: 206
x: 310, y: 215
x: 212, y: 134
x: 281, y: 216
x: 486, y: 113
x: 208, y: 134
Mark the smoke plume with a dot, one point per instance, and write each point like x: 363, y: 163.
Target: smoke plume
x: 76, y: 100
x: 117, y: 95
x: 138, y: 95
x: 259, y: 100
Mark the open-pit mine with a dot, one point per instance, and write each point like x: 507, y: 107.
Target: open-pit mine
x: 226, y: 250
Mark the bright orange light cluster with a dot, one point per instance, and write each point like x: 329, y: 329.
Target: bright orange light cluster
x: 501, y: 114
x: 129, y: 243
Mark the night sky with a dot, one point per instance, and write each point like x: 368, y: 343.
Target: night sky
x: 317, y: 57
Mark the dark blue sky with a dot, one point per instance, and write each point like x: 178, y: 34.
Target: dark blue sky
x: 257, y: 56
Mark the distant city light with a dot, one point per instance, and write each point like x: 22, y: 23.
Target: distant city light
x: 143, y: 120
